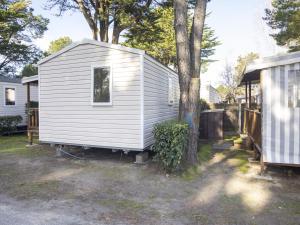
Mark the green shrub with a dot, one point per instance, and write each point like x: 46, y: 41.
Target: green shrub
x: 170, y: 142
x: 203, y: 105
x: 9, y: 123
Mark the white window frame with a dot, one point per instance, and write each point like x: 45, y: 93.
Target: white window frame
x: 110, y: 85
x: 4, y: 95
x: 171, y: 96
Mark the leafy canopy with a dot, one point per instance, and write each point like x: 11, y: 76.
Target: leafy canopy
x: 55, y: 46
x: 284, y: 18
x: 18, y: 26
x: 58, y: 44
x: 102, y: 15
x: 231, y: 77
x: 156, y: 36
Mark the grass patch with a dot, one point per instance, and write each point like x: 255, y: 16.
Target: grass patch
x: 231, y: 137
x: 16, y: 145
x: 292, y: 206
x: 35, y: 189
x: 238, y: 141
x: 204, y: 155
x: 240, y: 161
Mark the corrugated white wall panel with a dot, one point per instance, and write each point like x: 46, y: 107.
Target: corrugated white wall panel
x: 66, y: 113
x: 156, y: 106
x: 280, y: 123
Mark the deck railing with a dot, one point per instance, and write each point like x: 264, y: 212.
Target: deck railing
x: 33, y: 119
x: 32, y: 123
x: 252, y: 125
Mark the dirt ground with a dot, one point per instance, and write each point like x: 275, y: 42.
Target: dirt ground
x: 38, y: 188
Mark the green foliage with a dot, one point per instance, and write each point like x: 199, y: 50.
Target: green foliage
x: 170, y: 142
x: 29, y: 70
x: 58, y: 44
x: 9, y: 123
x: 18, y: 26
x: 203, y: 105
x: 105, y: 15
x: 205, y: 153
x: 156, y: 35
x: 241, y: 64
x: 284, y: 18
x: 230, y: 89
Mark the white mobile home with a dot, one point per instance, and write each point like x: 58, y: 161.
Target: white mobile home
x: 13, y: 97
x: 275, y: 127
x: 103, y: 95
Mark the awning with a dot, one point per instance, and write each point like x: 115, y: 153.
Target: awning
x: 32, y: 79
x: 253, y: 76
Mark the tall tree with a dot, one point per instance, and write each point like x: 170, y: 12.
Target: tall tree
x: 157, y: 32
x: 18, y: 26
x: 231, y: 77
x: 58, y: 44
x: 188, y: 46
x: 284, y: 18
x: 241, y: 64
x: 103, y: 14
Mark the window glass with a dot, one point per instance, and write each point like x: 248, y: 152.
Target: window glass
x: 101, y: 92
x: 294, y: 89
x: 10, y: 96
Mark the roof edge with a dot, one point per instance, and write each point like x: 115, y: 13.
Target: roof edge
x: 26, y: 80
x: 271, y: 61
x: 92, y: 42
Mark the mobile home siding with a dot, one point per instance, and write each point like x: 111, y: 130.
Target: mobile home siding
x: 66, y: 113
x: 280, y: 124
x: 156, y: 105
x: 21, y: 99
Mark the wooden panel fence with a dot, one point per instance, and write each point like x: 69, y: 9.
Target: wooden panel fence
x: 252, y: 125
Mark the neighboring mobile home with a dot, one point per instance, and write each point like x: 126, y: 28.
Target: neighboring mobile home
x: 96, y: 94
x: 275, y: 126
x: 209, y: 93
x: 13, y: 97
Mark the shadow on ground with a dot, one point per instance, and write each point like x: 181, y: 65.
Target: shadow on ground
x: 108, y: 188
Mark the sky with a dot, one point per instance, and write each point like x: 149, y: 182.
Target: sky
x: 238, y: 25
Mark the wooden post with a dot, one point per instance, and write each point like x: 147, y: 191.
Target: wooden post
x: 29, y: 133
x: 246, y: 93
x: 249, y: 95
x: 262, y: 164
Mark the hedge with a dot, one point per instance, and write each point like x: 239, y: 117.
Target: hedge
x: 170, y: 142
x: 9, y: 123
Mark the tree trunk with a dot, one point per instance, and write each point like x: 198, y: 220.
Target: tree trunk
x: 88, y: 17
x: 183, y: 54
x: 103, y: 20
x: 116, y: 33
x: 194, y: 90
x: 189, y: 66
x: 193, y: 118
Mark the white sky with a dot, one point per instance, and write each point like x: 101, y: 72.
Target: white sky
x: 238, y: 25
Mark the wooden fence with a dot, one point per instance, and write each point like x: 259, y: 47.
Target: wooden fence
x: 252, y: 125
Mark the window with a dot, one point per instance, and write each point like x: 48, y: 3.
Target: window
x: 171, y: 92
x: 101, y: 85
x: 10, y: 96
x: 294, y: 89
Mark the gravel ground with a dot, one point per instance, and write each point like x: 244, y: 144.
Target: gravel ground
x: 108, y: 188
